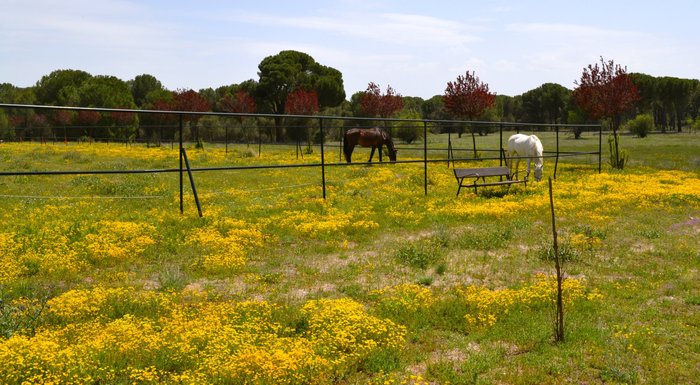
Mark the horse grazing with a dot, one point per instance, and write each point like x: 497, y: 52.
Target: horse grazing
x: 528, y: 146
x: 368, y: 137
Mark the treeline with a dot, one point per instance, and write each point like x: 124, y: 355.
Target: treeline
x: 292, y: 82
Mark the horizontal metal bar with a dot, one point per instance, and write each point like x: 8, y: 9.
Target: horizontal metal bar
x: 235, y: 114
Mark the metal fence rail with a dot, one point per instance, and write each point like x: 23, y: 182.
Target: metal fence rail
x: 420, y: 125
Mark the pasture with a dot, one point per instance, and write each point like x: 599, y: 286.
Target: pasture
x: 103, y: 280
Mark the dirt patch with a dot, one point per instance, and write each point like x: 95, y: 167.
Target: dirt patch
x: 692, y: 225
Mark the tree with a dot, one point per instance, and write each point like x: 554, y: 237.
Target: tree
x: 105, y: 92
x: 546, y: 104
x: 155, y: 124
x: 675, y: 95
x: 301, y: 102
x: 242, y: 103
x: 509, y: 107
x: 60, y: 87
x: 239, y: 103
x: 606, y: 91
x: 190, y: 100
x: 290, y: 70
x: 17, y: 118
x: 88, y: 119
x: 467, y: 97
x: 374, y: 104
x: 141, y: 86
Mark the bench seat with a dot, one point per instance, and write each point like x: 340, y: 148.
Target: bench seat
x: 482, y: 173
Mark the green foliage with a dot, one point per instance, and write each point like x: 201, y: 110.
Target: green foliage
x: 20, y: 315
x: 695, y: 126
x: 546, y: 104
x: 290, y: 70
x: 409, y: 131
x: 420, y: 254
x: 567, y: 253
x: 618, y: 156
x: 641, y: 125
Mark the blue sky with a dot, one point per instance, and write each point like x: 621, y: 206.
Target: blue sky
x: 414, y: 46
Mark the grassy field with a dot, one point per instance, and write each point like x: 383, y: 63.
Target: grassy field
x: 103, y: 280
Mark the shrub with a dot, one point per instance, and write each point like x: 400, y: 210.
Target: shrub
x: 641, y: 125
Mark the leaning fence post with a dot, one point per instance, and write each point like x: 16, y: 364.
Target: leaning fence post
x: 194, y: 188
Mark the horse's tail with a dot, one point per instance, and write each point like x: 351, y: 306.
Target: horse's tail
x: 347, y: 150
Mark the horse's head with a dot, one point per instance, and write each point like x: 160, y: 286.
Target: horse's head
x: 538, y: 171
x: 389, y: 145
x: 392, y: 153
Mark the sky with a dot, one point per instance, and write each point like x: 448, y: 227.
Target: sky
x: 415, y: 47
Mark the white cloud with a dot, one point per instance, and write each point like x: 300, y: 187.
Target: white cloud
x: 395, y: 28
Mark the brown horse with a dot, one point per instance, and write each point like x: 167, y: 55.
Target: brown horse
x: 368, y: 137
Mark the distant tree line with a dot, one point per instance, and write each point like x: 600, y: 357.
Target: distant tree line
x: 292, y: 82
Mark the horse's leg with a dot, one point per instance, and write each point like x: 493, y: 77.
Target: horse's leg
x: 371, y: 154
x: 509, y: 163
x: 527, y: 175
x: 380, y: 153
x: 348, y: 151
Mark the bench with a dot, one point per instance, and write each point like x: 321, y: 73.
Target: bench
x: 465, y: 173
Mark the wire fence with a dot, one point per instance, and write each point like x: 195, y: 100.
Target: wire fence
x: 420, y: 141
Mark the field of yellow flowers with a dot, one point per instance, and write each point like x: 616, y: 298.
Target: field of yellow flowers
x: 104, y: 281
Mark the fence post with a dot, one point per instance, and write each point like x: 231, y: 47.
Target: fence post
x: 323, y: 159
x: 182, y: 189
x: 500, y: 144
x: 425, y: 156
x: 600, y: 147
x: 194, y: 188
x: 556, y: 162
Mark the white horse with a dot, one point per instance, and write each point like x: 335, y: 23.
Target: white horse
x: 529, y: 146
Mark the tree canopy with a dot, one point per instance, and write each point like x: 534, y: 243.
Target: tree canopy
x: 606, y: 91
x: 288, y: 71
x: 467, y: 97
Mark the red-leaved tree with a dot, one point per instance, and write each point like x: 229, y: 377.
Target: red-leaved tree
x: 374, y: 104
x: 90, y: 119
x: 63, y: 118
x: 241, y: 103
x: 468, y: 97
x: 606, y: 92
x: 301, y: 102
x: 190, y: 100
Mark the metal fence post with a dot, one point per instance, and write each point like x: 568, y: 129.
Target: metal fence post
x: 556, y: 161
x: 182, y: 189
x: 425, y: 156
x: 600, y: 148
x: 323, y: 160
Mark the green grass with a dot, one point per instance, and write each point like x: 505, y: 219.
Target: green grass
x: 643, y: 260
